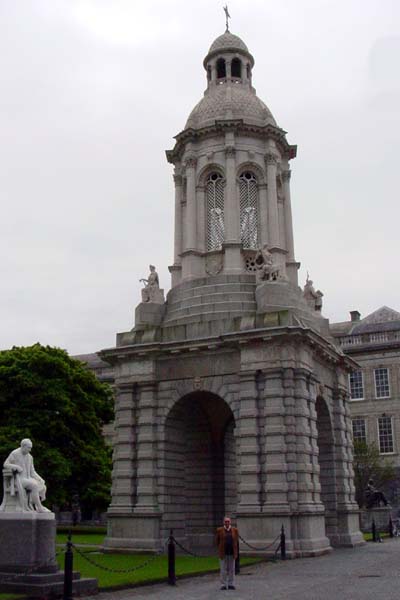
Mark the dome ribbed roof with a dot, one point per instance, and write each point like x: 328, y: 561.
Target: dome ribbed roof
x: 230, y: 102
x: 228, y: 40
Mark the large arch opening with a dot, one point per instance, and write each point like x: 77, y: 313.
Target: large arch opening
x: 200, y: 484
x: 327, y: 474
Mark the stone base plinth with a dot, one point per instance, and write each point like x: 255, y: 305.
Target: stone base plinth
x: 381, y: 517
x: 45, y: 585
x: 28, y: 557
x: 261, y: 531
x: 133, y: 532
x: 27, y: 542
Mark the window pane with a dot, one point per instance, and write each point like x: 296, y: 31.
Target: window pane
x: 356, y: 385
x: 215, y: 212
x: 382, y: 388
x: 385, y: 435
x: 359, y: 433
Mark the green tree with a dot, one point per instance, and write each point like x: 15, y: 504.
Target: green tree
x: 369, y: 464
x: 58, y: 403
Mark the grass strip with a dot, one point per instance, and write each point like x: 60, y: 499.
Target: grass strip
x: 153, y: 572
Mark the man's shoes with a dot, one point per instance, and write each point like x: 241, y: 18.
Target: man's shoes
x: 231, y: 587
x: 223, y: 587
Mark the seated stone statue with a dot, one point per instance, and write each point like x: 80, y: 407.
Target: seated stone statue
x: 374, y: 497
x: 22, y: 481
x: 151, y: 292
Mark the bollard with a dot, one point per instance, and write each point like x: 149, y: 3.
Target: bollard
x: 391, y: 532
x: 283, y: 543
x: 237, y: 561
x: 68, y: 568
x: 171, y: 559
x: 373, y: 531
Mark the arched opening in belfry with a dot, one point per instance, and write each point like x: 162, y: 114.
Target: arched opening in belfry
x: 326, y: 459
x: 199, y: 481
x: 221, y: 68
x: 236, y: 68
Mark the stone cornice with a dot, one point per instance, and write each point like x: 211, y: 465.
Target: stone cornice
x: 230, y: 341
x: 219, y: 128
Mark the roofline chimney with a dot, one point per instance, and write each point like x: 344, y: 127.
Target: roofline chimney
x: 355, y: 315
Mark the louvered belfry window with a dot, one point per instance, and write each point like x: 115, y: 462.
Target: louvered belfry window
x: 215, y: 211
x: 249, y: 210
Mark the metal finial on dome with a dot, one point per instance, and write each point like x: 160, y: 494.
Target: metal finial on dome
x: 227, y: 15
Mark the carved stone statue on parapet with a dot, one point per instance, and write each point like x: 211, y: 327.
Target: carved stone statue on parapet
x: 267, y: 269
x: 374, y: 497
x: 152, y: 292
x: 24, y: 489
x: 312, y: 297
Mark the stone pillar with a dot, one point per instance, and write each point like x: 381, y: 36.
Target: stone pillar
x: 191, y: 224
x: 305, y: 468
x: 274, y: 448
x: 147, y: 492
x: 248, y: 432
x: 232, y: 215
x: 262, y: 190
x: 213, y: 73
x: 201, y: 218
x: 273, y: 217
x: 228, y: 66
x: 178, y: 219
x: 288, y: 215
x: 124, y: 463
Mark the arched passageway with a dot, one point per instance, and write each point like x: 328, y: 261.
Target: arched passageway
x: 327, y: 475
x: 199, y: 481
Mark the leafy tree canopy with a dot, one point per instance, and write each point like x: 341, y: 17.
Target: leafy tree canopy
x: 369, y: 464
x: 57, y: 402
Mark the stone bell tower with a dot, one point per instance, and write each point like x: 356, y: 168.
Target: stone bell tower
x: 231, y: 396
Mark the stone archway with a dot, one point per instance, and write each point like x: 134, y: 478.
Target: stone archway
x: 199, y: 479
x: 327, y: 475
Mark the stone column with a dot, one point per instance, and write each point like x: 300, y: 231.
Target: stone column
x: 201, y: 218
x: 248, y: 431
x: 191, y: 225
x: 288, y: 215
x: 228, y: 66
x: 178, y: 219
x: 262, y: 190
x: 231, y: 215
x: 305, y: 468
x: 147, y: 492
x: 273, y: 217
x: 274, y: 446
x: 124, y: 463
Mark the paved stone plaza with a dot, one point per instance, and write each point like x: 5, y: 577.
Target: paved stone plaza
x: 361, y: 573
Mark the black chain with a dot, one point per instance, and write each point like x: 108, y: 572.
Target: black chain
x: 189, y: 551
x: 103, y: 568
x: 260, y: 549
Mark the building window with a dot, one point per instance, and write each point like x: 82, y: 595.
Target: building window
x: 382, y: 388
x: 248, y: 210
x: 385, y: 431
x: 356, y: 385
x: 359, y: 432
x: 215, y: 211
x: 236, y: 68
x: 221, y: 68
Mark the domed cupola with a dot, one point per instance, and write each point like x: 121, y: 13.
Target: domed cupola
x: 229, y: 93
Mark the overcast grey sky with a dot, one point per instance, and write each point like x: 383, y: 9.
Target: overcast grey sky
x: 92, y: 93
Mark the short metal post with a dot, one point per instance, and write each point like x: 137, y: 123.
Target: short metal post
x: 68, y: 569
x: 373, y: 531
x: 171, y: 559
x: 283, y: 543
x: 391, y: 532
x: 237, y: 562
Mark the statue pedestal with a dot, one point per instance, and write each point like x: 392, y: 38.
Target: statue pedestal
x: 28, y: 556
x: 380, y: 515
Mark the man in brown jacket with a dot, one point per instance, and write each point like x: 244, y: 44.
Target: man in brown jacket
x: 227, y: 540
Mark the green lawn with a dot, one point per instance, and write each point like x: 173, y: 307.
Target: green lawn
x: 156, y: 570
x: 92, y: 539
x: 11, y: 596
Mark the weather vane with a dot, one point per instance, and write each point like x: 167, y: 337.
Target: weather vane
x: 228, y: 16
